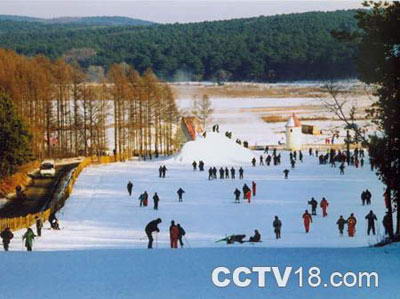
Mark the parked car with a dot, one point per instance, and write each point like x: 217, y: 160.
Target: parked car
x: 47, y: 168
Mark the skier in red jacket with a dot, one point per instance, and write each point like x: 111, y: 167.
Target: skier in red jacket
x: 307, y: 220
x: 324, y: 206
x: 174, y: 234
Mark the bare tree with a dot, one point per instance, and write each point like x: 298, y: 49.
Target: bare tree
x: 202, y: 108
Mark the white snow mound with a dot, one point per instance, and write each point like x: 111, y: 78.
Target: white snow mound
x: 214, y: 149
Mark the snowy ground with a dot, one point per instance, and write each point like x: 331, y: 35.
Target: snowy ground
x: 243, y: 116
x: 100, y: 214
x: 100, y: 251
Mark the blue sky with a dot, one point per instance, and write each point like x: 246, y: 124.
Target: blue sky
x: 167, y: 11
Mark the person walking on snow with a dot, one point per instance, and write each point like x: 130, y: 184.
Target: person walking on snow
x: 324, y: 206
x: 253, y: 188
x: 201, y: 165
x: 226, y: 173
x: 160, y: 171
x: 237, y: 195
x: 253, y: 162
x: 314, y: 205
x: 173, y: 234
x: 181, y: 234
x: 6, y: 236
x: 210, y: 173
x: 39, y: 226
x: 340, y: 223
x: 368, y: 197
x: 277, y: 224
x: 221, y: 173
x: 241, y: 171
x: 145, y: 198
x: 245, y: 189
x: 164, y: 171
x: 351, y: 225
x: 286, y: 172
x: 151, y: 227
x: 261, y: 160
x: 194, y: 164
x: 233, y: 173
x: 307, y: 219
x: 180, y: 194
x: 129, y: 186
x: 341, y: 167
x: 156, y: 200
x: 28, y: 237
x: 371, y: 217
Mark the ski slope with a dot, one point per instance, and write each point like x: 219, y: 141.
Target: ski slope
x: 100, y: 252
x: 100, y: 213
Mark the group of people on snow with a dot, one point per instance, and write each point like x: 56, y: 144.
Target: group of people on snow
x: 176, y: 233
x: 247, y: 192
x: 6, y: 235
x: 200, y: 164
x: 224, y: 173
x: 162, y: 171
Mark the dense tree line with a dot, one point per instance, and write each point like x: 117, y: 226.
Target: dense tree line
x: 64, y: 115
x: 283, y: 47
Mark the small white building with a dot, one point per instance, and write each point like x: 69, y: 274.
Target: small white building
x: 293, y: 134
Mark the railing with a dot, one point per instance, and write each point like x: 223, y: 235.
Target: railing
x: 18, y: 223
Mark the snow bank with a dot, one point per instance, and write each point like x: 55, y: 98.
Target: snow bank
x: 214, y: 149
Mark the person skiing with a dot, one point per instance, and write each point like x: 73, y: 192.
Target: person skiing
x: 194, y: 164
x: 277, y: 224
x: 6, y: 236
x: 253, y: 188
x: 129, y: 186
x: 39, y: 226
x: 151, y: 227
x: 233, y: 173
x: 237, y: 195
x: 241, y: 171
x: 324, y: 206
x: 180, y: 194
x: 307, y: 219
x: 173, y: 234
x: 351, y: 225
x: 340, y: 223
x: 182, y: 233
x: 28, y: 237
x: 253, y: 162
x: 286, y: 172
x: 371, y: 217
x: 256, y: 237
x: 156, y: 199
x: 314, y: 205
